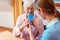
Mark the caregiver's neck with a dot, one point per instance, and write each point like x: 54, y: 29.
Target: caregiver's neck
x: 50, y: 17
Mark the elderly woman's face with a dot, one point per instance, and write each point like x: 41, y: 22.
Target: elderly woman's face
x: 30, y: 9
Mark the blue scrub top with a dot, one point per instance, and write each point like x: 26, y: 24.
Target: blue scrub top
x: 53, y: 31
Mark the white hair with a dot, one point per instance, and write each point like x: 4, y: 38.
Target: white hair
x: 36, y: 5
x: 28, y: 3
x: 32, y: 1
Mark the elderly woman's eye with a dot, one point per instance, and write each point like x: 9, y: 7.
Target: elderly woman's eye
x: 28, y: 8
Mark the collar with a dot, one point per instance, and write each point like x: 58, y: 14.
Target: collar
x: 52, y: 22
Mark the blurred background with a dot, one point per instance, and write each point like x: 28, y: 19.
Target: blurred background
x: 6, y: 15
x: 11, y: 9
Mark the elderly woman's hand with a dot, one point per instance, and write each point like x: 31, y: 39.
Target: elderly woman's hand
x: 24, y: 24
x: 29, y: 29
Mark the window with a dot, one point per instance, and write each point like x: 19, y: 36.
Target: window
x: 57, y: 3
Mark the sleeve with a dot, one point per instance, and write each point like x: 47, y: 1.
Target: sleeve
x: 39, y: 19
x: 40, y: 22
x: 16, y: 31
x: 49, y: 35
x: 19, y: 21
x: 45, y: 35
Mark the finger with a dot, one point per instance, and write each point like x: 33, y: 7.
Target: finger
x: 29, y: 27
x: 27, y: 23
x: 26, y: 20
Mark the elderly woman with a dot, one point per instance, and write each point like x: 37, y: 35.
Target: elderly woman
x: 49, y: 12
x: 23, y: 22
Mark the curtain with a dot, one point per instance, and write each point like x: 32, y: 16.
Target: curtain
x: 16, y: 9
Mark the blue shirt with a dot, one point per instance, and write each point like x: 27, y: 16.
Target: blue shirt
x: 53, y: 31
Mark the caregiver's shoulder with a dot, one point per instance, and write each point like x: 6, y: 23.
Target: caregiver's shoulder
x: 55, y: 34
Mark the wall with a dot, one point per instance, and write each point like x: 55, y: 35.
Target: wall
x: 6, y: 19
x: 6, y: 15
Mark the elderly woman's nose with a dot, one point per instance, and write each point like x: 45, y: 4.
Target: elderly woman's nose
x: 30, y: 11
